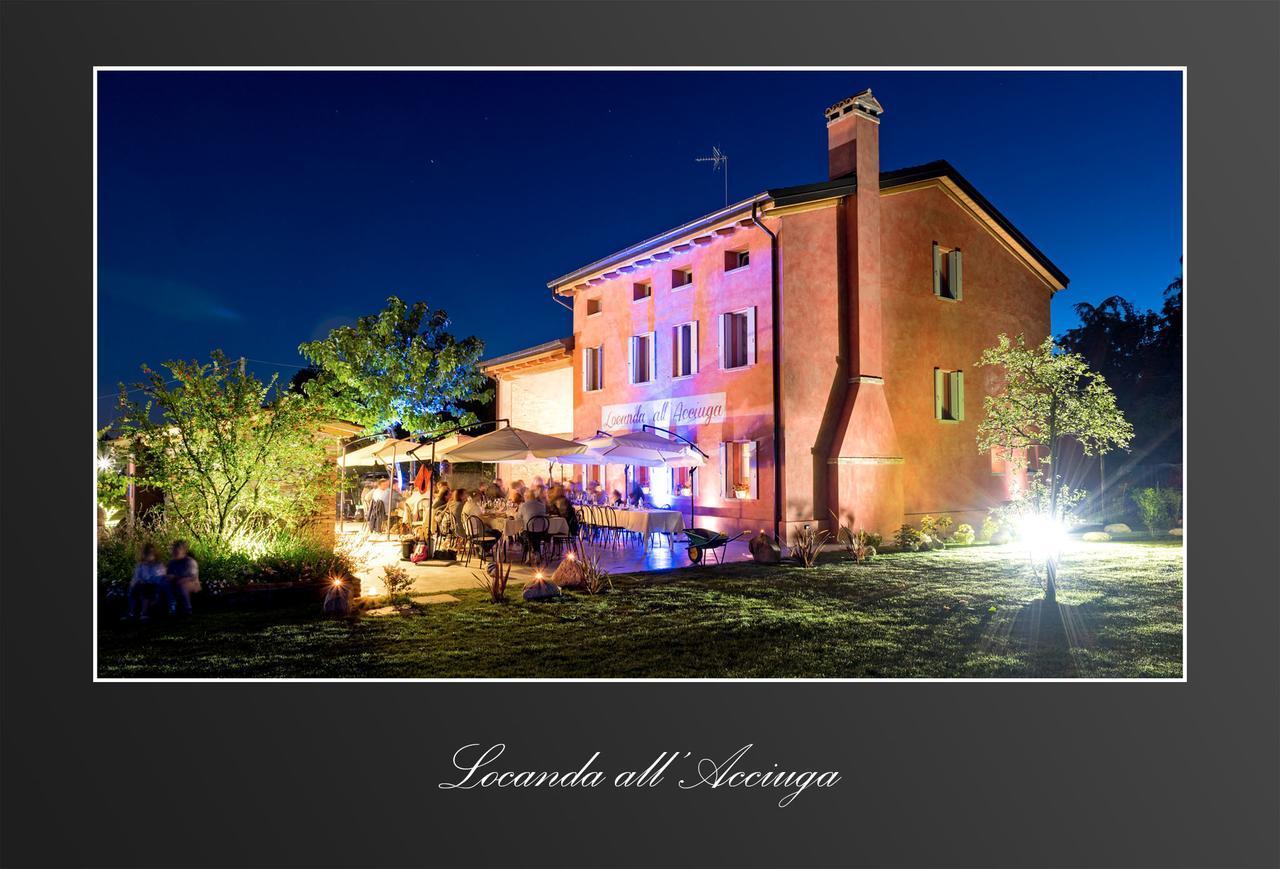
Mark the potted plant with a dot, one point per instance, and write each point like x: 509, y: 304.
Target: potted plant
x: 741, y: 490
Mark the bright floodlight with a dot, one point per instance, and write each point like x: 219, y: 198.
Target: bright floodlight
x: 1043, y: 535
x: 104, y: 463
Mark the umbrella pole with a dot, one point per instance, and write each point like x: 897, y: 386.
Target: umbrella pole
x: 395, y: 479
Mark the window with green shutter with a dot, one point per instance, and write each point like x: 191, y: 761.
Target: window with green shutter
x: 947, y: 273
x: 948, y: 395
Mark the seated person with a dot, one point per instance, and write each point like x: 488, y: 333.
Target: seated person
x: 616, y: 498
x: 637, y: 494
x: 565, y: 509
x: 530, y: 508
x: 149, y: 583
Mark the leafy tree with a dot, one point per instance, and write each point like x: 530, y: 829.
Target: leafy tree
x: 1140, y: 355
x: 1048, y: 397
x: 398, y: 367
x: 231, y: 454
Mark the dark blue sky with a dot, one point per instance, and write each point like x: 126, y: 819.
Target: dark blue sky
x: 253, y: 211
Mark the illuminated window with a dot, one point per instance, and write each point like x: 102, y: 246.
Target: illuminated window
x: 946, y: 273
x: 682, y: 481
x: 684, y: 349
x: 642, y: 360
x: 738, y: 473
x: 736, y: 259
x: 594, y: 306
x: 592, y: 368
x: 641, y: 290
x: 681, y: 278
x: 948, y: 395
x: 738, y: 338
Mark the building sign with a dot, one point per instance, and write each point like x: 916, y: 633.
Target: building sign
x: 664, y: 412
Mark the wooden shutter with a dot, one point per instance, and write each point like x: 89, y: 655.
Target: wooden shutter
x: 937, y: 272
x: 751, y: 336
x: 753, y: 478
x: 723, y: 325
x: 954, y: 274
x: 957, y: 395
x: 693, y: 347
x: 599, y: 375
x: 631, y: 360
x: 938, y: 386
x: 653, y: 356
x: 725, y: 489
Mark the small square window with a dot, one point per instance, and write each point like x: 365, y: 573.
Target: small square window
x: 594, y: 306
x: 736, y: 259
x: 641, y: 290
x: 681, y: 278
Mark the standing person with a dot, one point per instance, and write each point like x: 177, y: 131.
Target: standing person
x: 494, y: 491
x: 183, y: 574
x: 148, y: 583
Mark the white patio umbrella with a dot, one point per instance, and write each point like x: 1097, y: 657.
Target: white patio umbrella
x: 512, y: 445
x: 643, y: 448
x: 384, y: 452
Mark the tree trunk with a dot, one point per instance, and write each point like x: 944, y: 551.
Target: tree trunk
x: 1051, y: 579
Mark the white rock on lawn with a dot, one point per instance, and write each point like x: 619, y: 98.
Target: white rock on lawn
x: 1175, y: 532
x: 1118, y: 528
x: 1095, y: 537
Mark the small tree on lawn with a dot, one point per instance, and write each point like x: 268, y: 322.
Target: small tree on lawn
x: 231, y: 454
x: 398, y: 367
x: 1048, y: 396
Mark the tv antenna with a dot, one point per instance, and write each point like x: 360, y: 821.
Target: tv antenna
x: 717, y: 159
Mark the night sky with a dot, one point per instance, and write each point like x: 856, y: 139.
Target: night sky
x: 253, y: 211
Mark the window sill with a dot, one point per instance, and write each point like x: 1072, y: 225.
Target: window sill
x: 680, y: 287
x: 946, y: 299
x: 642, y: 299
x: 952, y: 421
x: 746, y: 367
x: 684, y: 376
x: 731, y: 271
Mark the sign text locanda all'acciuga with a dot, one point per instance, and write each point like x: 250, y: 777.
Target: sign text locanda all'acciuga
x: 665, y: 412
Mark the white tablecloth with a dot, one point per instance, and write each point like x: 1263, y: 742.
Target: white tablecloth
x: 646, y: 522
x: 511, y: 526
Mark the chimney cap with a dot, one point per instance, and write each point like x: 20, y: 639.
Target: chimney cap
x: 862, y: 103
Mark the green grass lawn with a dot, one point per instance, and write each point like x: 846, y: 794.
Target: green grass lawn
x: 963, y: 612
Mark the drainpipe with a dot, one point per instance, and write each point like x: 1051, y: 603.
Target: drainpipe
x: 555, y: 297
x: 777, y: 369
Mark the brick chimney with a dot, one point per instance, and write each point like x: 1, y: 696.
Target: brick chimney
x: 853, y: 134
x: 866, y: 483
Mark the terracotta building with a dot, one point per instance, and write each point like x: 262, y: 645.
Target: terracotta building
x: 817, y: 342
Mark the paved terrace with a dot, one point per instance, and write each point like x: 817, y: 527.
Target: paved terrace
x: 437, y: 577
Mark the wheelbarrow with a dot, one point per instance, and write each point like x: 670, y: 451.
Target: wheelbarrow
x: 702, y: 540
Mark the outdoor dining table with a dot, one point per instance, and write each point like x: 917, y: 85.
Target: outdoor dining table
x: 648, y: 522
x: 511, y: 526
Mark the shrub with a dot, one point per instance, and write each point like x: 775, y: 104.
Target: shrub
x: 864, y: 546
x: 942, y: 528
x: 860, y: 543
x: 397, y: 580
x: 989, y: 528
x: 806, y: 546
x: 909, y: 539
x: 493, y: 578
x: 267, y: 556
x: 963, y: 535
x: 1154, y: 507
x: 928, y: 526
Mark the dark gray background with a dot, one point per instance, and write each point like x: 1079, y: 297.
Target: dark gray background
x: 935, y: 774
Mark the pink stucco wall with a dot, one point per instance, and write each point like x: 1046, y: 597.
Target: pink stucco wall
x: 943, y: 470
x: 748, y: 391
